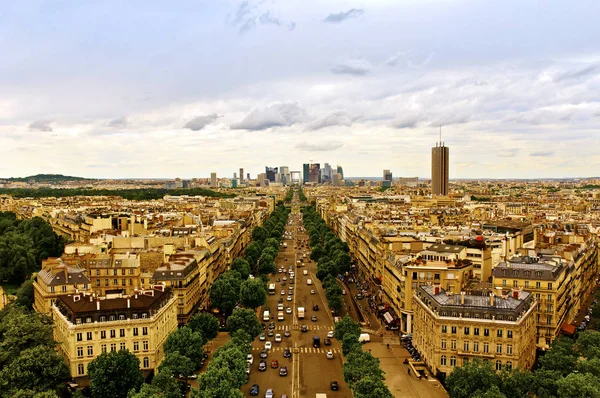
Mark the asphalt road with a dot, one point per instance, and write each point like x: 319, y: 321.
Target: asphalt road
x: 309, y: 370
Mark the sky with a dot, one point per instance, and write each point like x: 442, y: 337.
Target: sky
x: 138, y: 89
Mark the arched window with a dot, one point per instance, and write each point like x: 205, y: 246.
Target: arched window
x: 498, y: 365
x: 443, y: 360
x: 146, y: 362
x: 452, y: 361
x: 508, y: 365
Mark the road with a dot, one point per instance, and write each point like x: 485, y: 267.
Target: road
x: 309, y: 370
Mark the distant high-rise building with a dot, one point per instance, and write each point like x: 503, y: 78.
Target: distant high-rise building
x: 387, y: 175
x: 439, y: 169
x: 408, y: 181
x: 305, y: 171
x: 326, y: 173
x: 337, y: 179
x: 284, y: 175
x: 234, y: 176
x: 262, y: 179
x: 241, y: 175
x: 314, y: 173
x: 271, y: 172
x: 340, y: 170
x: 248, y: 176
x: 213, y: 180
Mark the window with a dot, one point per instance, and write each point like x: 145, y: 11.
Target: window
x: 499, y: 332
x: 90, y: 350
x: 515, y: 283
x: 80, y: 369
x: 476, y: 331
x: 144, y: 331
x: 526, y: 284
x: 465, y: 361
x: 538, y: 285
x: 122, y: 346
x: 122, y: 333
x: 453, y: 344
x: 102, y: 318
x: 443, y: 344
x: 467, y: 331
x: 134, y: 316
x: 115, y: 281
x: 452, y: 361
x: 51, y: 289
x: 145, y: 344
x: 509, y: 334
x: 113, y: 347
x: 135, y: 330
x: 476, y: 346
x: 453, y: 329
x: 503, y: 282
x: 103, y: 334
x: 486, y: 347
x: 443, y: 360
x: 97, y: 282
x: 486, y: 332
x: 113, y: 333
x: 466, y: 346
x: 538, y: 274
x: 444, y: 329
x: 89, y: 335
x: 498, y: 365
x: 549, y: 297
x: 509, y: 349
x: 97, y: 272
x: 78, y: 321
x: 146, y: 362
x: 508, y: 365
x: 106, y: 282
x: 115, y: 272
x: 136, y: 346
x: 144, y: 315
x: 549, y: 285
x: 123, y: 271
x: 121, y: 317
x: 79, y: 336
x: 123, y: 282
x: 130, y: 271
x: 79, y: 352
x: 64, y: 288
x: 103, y: 348
x: 498, y: 348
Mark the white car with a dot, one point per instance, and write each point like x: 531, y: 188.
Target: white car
x: 283, y: 292
x: 305, y: 272
x: 329, y: 354
x: 250, y: 359
x: 268, y: 345
x: 280, y: 307
x: 312, y: 291
x: 289, y: 298
x: 330, y: 334
x: 278, y: 338
x: 285, y: 278
x: 288, y: 310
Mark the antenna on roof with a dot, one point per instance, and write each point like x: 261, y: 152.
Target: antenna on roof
x: 440, y: 135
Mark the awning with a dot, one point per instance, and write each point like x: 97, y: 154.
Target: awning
x: 568, y: 328
x: 388, y: 318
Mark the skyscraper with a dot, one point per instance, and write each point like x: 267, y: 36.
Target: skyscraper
x: 314, y: 173
x: 439, y: 169
x: 340, y: 170
x: 270, y: 172
x: 241, y: 175
x: 387, y: 175
x: 305, y: 170
x: 213, y: 180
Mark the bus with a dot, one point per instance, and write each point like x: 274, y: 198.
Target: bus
x: 272, y: 288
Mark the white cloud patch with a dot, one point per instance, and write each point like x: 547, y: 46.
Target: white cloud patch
x: 344, y: 15
x: 247, y: 16
x: 407, y: 121
x: 41, y: 125
x: 199, y: 122
x: 356, y: 67
x: 275, y: 115
x: 340, y: 118
x: 319, y: 147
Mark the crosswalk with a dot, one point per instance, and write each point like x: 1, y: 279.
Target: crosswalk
x: 297, y: 327
x: 303, y: 350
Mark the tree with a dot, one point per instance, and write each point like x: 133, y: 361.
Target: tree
x: 272, y: 242
x: 335, y: 303
x: 493, y: 392
x: 113, y: 374
x: 33, y: 394
x: 252, y: 253
x: 224, y: 294
x: 242, y: 266
x: 588, y: 344
x: 205, y: 323
x: 346, y: 325
x: 591, y: 366
x: 176, y: 364
x: 475, y: 377
x: 253, y: 293
x: 369, y: 387
x: 516, y: 383
x: 317, y: 251
x: 17, y: 257
x: 166, y: 386
x: 216, y: 383
x: 350, y: 342
x: 544, y: 383
x: 37, y: 369
x: 259, y: 234
x: 266, y: 264
x: 360, y: 364
x: 187, y: 342
x: 578, y: 385
x: 25, y: 294
x: 233, y: 359
x: 561, y: 357
x: 244, y: 319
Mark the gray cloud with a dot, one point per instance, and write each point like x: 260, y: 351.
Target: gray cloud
x: 120, y: 122
x: 450, y: 119
x: 542, y: 153
x: 356, y: 67
x: 332, y: 119
x: 247, y: 15
x: 508, y: 153
x: 315, y: 147
x: 41, y: 125
x: 199, y: 122
x: 407, y: 121
x: 344, y: 15
x: 584, y: 71
x: 278, y: 114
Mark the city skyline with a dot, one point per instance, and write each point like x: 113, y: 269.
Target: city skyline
x: 147, y: 90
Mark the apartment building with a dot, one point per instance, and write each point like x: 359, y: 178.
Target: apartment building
x: 452, y: 329
x: 57, y: 278
x: 86, y: 326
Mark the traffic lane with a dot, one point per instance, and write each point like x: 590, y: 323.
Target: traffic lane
x: 270, y: 378
x: 317, y: 372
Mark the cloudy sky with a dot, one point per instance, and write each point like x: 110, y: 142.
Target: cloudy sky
x: 182, y: 88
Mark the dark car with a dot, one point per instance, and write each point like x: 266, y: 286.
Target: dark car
x: 270, y: 333
x: 304, y: 328
x: 271, y: 325
x: 287, y: 353
x: 262, y: 366
x: 279, y: 300
x: 254, y: 389
x: 283, y: 371
x: 316, y: 307
x: 287, y: 333
x: 263, y: 354
x: 334, y: 386
x: 327, y: 341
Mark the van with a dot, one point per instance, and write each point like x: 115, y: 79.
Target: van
x: 305, y: 272
x: 266, y: 315
x: 309, y: 282
x: 364, y: 338
x: 280, y: 316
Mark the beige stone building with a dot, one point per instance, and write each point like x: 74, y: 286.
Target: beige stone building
x: 85, y: 326
x: 56, y: 278
x: 451, y: 329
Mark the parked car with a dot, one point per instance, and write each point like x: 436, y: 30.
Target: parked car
x: 254, y: 390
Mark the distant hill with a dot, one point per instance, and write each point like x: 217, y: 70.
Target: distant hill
x: 46, y: 178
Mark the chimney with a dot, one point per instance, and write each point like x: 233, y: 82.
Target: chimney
x: 97, y: 305
x: 492, y: 295
x: 515, y: 294
x: 462, y: 298
x: 128, y: 303
x: 436, y: 289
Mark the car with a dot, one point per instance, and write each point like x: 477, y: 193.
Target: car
x: 254, y: 389
x: 269, y: 393
x: 278, y: 338
x: 284, y: 283
x: 316, y: 307
x: 313, y: 318
x: 288, y: 310
x: 287, y: 353
x: 262, y: 366
x: 285, y: 277
x: 289, y: 298
x: 279, y: 300
x: 283, y: 292
x: 312, y: 291
x: 268, y: 345
x: 305, y: 272
x: 262, y: 337
x: 274, y: 364
x: 263, y: 326
x: 270, y: 333
x: 283, y: 371
x: 277, y: 280
x: 291, y: 292
x: 280, y: 270
x: 327, y: 341
x: 280, y: 307
x: 343, y: 291
x: 250, y: 359
x: 248, y: 369
x: 271, y: 325
x: 330, y: 334
x: 189, y: 377
x: 329, y: 354
x: 291, y: 281
x: 304, y: 328
x: 334, y: 386
x: 287, y: 333
x: 285, y: 259
x: 263, y: 354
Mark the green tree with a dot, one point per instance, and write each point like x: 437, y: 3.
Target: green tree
x: 216, y: 383
x: 176, y: 364
x: 493, y: 392
x: 166, y: 386
x: 205, y: 323
x: 266, y: 264
x: 244, y: 319
x: 33, y: 394
x: 588, y: 344
x: 360, y: 364
x: 259, y: 234
x: 516, y: 383
x: 25, y: 294
x: 346, y: 325
x: 335, y: 303
x: 589, y: 366
x: 113, y: 374
x: 350, y: 342
x: 17, y: 257
x: 272, y: 242
x: 187, y: 342
x: 253, y: 293
x: 224, y: 294
x: 252, y: 253
x: 475, y: 377
x: 369, y: 387
x: 544, y: 383
x: 242, y: 266
x: 233, y: 359
x: 561, y: 357
x: 578, y: 385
